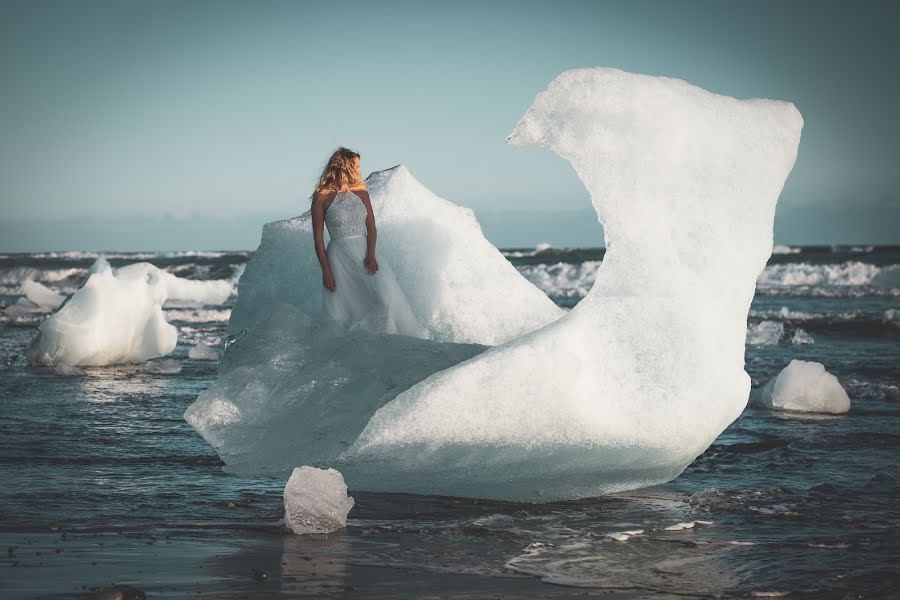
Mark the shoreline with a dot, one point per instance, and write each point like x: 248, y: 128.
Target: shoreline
x: 240, y: 563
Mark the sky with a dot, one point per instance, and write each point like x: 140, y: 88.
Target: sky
x: 188, y: 125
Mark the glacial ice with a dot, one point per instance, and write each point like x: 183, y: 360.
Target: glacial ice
x: 117, y: 317
x: 803, y: 386
x: 512, y: 398
x: 162, y: 366
x: 41, y: 295
x: 316, y: 501
x: 201, y: 351
x: 459, y: 285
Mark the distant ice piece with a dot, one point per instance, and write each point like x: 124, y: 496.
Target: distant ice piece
x: 117, y: 317
x: 765, y: 333
x: 316, y: 501
x: 203, y: 352
x: 24, y: 306
x: 803, y: 386
x: 513, y: 398
x: 41, y: 295
x: 163, y: 366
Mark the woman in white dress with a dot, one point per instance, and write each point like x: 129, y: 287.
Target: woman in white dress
x: 358, y: 292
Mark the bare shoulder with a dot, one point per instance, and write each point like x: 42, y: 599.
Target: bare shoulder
x: 322, y: 198
x: 361, y: 189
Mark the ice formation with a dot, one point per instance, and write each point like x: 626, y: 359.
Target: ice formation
x: 163, y: 366
x: 459, y: 285
x: 117, y: 317
x: 41, y: 295
x: 201, y: 351
x: 316, y: 501
x: 512, y: 398
x: 688, y: 525
x: 803, y: 386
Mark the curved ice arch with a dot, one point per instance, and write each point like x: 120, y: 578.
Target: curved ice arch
x: 623, y: 391
x: 648, y: 369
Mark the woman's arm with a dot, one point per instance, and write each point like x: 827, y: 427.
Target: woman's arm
x: 371, y: 232
x: 318, y: 223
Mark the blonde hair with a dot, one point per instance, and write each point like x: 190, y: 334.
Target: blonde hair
x: 338, y: 173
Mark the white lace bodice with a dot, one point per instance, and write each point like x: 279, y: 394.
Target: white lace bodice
x: 346, y: 216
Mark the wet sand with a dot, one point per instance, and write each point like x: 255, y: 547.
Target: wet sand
x: 205, y: 562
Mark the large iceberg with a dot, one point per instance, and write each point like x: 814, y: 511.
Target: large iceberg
x: 511, y: 398
x: 117, y: 317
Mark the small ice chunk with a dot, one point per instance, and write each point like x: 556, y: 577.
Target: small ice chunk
x: 24, y: 306
x: 801, y: 337
x: 166, y: 366
x: 803, y: 386
x: 765, y: 333
x: 316, y: 500
x: 624, y: 536
x: 688, y: 525
x: 41, y: 295
x: 203, y: 352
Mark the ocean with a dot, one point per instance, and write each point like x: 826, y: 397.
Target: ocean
x: 106, y: 487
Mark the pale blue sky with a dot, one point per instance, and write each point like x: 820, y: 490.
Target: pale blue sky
x: 172, y: 125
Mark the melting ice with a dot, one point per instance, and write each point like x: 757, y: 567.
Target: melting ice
x: 803, y: 386
x: 511, y: 398
x: 116, y: 316
x: 316, y: 501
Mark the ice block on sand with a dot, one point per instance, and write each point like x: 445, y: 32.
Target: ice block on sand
x: 316, y: 501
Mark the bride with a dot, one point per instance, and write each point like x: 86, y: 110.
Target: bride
x: 358, y: 292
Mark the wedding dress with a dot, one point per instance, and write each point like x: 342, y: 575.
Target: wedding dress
x: 362, y: 300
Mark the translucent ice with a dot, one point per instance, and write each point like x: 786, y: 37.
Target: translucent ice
x: 623, y: 391
x: 163, y: 366
x: 295, y: 385
x: 316, y: 501
x: 688, y: 525
x: 41, y: 295
x: 803, y: 386
x: 202, y: 351
x: 117, y: 316
x: 459, y: 285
